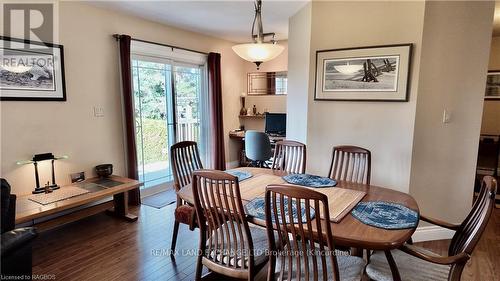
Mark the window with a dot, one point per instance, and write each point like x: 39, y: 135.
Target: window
x: 169, y: 107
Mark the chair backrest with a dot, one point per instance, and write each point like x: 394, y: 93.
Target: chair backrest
x: 351, y: 163
x: 184, y: 159
x: 228, y: 249
x: 313, y: 252
x: 257, y: 146
x: 471, y: 229
x: 290, y: 156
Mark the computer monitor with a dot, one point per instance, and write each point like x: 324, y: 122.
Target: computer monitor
x: 276, y: 124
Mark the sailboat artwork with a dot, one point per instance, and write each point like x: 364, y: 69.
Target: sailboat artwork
x: 363, y: 73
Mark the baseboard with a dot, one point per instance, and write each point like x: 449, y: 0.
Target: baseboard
x: 430, y: 233
x: 232, y: 164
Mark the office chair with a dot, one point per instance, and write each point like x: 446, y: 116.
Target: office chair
x: 257, y: 148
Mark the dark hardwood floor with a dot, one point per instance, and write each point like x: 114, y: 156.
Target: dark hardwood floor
x: 104, y: 248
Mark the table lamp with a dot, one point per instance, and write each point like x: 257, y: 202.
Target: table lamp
x: 43, y: 157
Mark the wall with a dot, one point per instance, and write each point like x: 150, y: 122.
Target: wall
x: 385, y: 128
x: 299, y: 42
x: 456, y: 40
x: 274, y: 103
x: 413, y: 151
x: 92, y: 78
x: 491, y: 110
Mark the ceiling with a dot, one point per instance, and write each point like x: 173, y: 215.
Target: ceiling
x: 230, y: 20
x: 496, y: 21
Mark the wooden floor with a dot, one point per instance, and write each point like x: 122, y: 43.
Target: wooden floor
x: 104, y: 248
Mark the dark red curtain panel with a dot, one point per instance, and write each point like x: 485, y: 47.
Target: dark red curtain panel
x: 217, y: 126
x: 128, y: 103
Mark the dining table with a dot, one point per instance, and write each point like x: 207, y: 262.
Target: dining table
x: 348, y: 231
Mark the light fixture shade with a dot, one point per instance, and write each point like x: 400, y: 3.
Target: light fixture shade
x: 258, y: 52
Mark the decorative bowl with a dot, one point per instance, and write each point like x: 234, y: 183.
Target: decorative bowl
x: 104, y: 170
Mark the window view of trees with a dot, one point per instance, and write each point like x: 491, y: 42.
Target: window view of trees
x: 153, y: 113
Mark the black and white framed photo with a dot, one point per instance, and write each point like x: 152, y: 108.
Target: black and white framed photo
x: 31, y: 70
x: 375, y: 73
x: 493, y: 85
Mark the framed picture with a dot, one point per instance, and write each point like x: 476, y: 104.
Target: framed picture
x: 31, y: 70
x: 493, y: 85
x: 376, y: 73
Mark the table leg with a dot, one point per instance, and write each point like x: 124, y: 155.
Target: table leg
x: 121, y: 207
x: 393, y: 266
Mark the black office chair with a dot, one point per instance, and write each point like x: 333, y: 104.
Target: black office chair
x: 258, y: 148
x: 16, y: 252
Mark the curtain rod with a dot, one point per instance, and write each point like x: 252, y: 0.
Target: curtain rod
x: 117, y: 37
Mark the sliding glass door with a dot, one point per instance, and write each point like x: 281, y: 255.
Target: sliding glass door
x: 167, y: 98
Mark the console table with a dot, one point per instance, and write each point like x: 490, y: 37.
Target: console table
x: 68, y: 210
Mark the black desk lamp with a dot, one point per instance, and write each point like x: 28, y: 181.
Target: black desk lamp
x: 43, y: 157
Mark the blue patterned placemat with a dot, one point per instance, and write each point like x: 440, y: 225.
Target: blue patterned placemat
x: 256, y: 208
x: 385, y: 215
x: 309, y: 180
x: 242, y: 175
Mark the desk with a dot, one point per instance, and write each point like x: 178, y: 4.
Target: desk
x: 349, y: 232
x: 239, y: 136
x: 27, y: 210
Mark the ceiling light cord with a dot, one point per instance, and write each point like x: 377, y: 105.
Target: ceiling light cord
x: 258, y: 19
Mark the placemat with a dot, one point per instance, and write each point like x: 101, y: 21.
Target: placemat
x: 386, y: 215
x: 57, y: 195
x: 256, y: 186
x: 309, y: 180
x: 341, y: 201
x: 241, y: 175
x: 256, y: 208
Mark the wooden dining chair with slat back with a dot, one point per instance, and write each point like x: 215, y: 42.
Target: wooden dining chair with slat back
x: 351, y: 163
x: 417, y: 264
x: 313, y: 256
x: 228, y: 245
x: 290, y: 157
x: 184, y: 160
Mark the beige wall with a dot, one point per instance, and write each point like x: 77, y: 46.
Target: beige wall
x: 92, y: 79
x: 453, y: 69
x: 413, y: 151
x: 299, y: 42
x: 276, y: 103
x: 491, y: 110
x: 385, y: 128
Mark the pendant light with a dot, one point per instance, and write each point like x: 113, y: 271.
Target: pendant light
x: 259, y: 51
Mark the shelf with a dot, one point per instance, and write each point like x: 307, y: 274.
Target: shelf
x: 252, y: 116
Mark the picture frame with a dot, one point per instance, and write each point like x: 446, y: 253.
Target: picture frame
x: 492, y: 91
x: 371, y: 73
x: 31, y: 70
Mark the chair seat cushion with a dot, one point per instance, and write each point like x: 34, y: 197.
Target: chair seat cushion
x: 350, y: 269
x: 260, y: 245
x: 410, y: 268
x: 186, y: 214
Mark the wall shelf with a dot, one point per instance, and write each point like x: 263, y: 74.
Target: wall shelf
x: 252, y: 116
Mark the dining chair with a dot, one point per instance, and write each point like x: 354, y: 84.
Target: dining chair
x: 418, y: 264
x: 351, y: 163
x: 298, y: 249
x: 257, y: 147
x: 289, y: 156
x: 228, y: 245
x: 184, y: 160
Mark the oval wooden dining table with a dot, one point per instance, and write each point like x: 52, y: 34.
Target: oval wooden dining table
x: 348, y: 232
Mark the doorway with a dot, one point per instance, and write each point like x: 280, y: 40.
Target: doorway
x: 168, y: 109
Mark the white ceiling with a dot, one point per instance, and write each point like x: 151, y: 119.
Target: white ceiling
x: 230, y: 20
